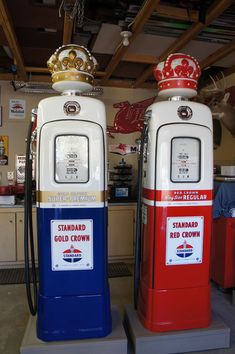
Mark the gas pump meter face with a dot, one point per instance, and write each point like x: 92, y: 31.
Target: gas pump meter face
x: 71, y: 159
x: 185, y: 159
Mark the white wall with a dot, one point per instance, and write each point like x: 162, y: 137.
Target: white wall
x: 115, y: 95
x: 225, y: 154
x: 17, y: 129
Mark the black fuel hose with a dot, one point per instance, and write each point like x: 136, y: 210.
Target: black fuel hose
x: 138, y: 221
x: 28, y: 230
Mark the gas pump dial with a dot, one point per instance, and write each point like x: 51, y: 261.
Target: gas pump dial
x: 71, y: 160
x: 185, y: 159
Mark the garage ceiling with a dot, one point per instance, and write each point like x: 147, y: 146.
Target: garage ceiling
x: 31, y: 30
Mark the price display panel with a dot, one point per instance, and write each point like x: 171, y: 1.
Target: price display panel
x: 185, y: 159
x: 71, y: 159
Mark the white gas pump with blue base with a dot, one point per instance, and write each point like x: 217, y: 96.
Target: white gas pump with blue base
x: 73, y: 299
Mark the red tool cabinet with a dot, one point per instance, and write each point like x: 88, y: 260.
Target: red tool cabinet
x: 223, y: 252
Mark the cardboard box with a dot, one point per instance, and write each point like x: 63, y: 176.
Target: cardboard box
x: 7, y: 199
x: 228, y: 170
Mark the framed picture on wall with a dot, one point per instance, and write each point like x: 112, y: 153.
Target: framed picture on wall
x: 0, y: 116
x: 4, y: 144
x: 17, y: 109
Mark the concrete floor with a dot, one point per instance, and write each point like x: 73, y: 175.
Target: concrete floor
x: 14, y: 312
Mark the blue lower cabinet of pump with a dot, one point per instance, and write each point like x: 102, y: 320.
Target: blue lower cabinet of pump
x: 73, y: 304
x: 73, y: 317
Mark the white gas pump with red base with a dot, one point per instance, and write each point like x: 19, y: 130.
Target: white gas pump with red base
x: 173, y: 289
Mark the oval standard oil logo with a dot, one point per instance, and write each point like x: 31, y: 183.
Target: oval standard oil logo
x: 72, y: 255
x: 71, y: 108
x: 185, y: 250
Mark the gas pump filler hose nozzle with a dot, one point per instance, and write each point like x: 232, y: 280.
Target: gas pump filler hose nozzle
x: 28, y: 226
x: 139, y: 214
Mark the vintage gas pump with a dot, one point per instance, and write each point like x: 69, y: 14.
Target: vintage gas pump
x: 73, y: 297
x: 174, y: 289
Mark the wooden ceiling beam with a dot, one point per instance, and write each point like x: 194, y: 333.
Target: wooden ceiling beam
x: 68, y: 26
x: 100, y: 74
x: 229, y: 71
x: 213, y: 12
x: 25, y: 14
x: 6, y: 77
x: 40, y: 70
x: 142, y: 16
x: 136, y: 28
x: 110, y: 83
x: 68, y: 29
x: 40, y: 78
x: 9, y: 32
x: 122, y: 83
x: 218, y: 55
x: 177, y: 13
x: 139, y: 58
x: 216, y: 9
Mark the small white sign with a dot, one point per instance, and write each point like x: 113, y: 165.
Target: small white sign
x: 123, y: 149
x: 17, y: 109
x: 20, y: 168
x: 72, y: 244
x: 184, y: 240
x: 144, y: 214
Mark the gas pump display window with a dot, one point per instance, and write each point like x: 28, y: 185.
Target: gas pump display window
x: 71, y: 159
x: 185, y: 159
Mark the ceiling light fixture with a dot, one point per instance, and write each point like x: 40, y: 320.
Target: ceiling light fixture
x: 126, y: 35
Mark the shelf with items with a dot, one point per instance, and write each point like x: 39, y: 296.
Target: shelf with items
x: 121, y: 178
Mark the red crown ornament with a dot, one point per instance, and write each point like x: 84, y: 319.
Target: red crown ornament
x: 177, y: 76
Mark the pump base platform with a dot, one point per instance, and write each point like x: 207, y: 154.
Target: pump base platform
x: 233, y: 298
x: 216, y: 336
x: 115, y: 342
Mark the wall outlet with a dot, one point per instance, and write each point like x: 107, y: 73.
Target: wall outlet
x: 10, y: 175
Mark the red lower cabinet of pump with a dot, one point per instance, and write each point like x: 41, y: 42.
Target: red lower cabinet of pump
x: 175, y: 296
x: 178, y: 309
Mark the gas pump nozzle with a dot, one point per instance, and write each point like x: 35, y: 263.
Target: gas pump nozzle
x: 28, y: 223
x: 141, y: 143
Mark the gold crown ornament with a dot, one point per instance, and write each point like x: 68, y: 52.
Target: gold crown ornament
x: 72, y: 68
